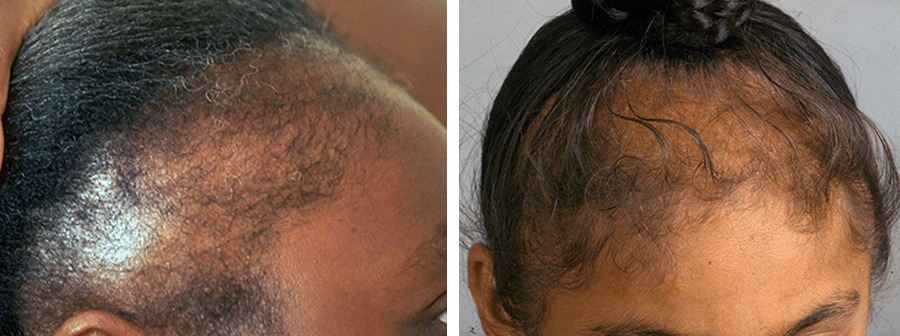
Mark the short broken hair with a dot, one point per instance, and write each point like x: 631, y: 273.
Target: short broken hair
x: 152, y: 144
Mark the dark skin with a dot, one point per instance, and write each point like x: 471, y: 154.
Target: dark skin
x: 389, y: 275
x: 749, y: 265
x: 406, y: 36
x: 415, y: 46
x: 414, y: 51
x: 745, y: 273
x: 391, y: 268
x: 370, y: 262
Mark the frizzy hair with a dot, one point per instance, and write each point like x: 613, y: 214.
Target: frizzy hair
x: 563, y: 175
x: 100, y: 83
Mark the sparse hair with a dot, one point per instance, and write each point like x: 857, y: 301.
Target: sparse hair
x: 152, y: 144
x: 624, y: 120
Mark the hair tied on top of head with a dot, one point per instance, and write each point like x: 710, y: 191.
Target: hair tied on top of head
x: 687, y: 23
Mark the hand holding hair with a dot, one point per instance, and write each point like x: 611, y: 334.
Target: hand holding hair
x: 16, y: 18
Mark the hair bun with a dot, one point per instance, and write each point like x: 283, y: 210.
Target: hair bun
x: 691, y: 23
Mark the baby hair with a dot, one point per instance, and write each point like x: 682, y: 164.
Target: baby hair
x: 622, y: 121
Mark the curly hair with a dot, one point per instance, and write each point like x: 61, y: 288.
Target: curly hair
x: 618, y: 115
x: 151, y: 144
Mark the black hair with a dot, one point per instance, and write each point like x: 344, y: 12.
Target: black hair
x: 582, y: 146
x: 113, y: 111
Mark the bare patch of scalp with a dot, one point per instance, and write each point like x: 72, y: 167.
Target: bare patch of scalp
x: 284, y: 142
x: 153, y: 181
x: 176, y: 211
x: 229, y: 171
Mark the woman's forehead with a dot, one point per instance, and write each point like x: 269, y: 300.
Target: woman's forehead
x: 746, y: 266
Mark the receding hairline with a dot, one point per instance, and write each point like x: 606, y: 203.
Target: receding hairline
x: 709, y: 100
x: 339, y: 118
x: 293, y: 117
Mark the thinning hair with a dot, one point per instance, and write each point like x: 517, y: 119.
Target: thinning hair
x: 151, y: 144
x: 622, y: 121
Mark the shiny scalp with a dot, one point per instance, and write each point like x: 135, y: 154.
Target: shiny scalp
x: 96, y: 87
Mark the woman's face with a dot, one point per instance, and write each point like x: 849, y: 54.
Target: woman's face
x: 747, y: 272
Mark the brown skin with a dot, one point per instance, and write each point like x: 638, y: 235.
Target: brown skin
x: 746, y: 272
x: 393, y: 262
x: 16, y: 18
x: 373, y: 261
x: 407, y: 36
x: 381, y: 267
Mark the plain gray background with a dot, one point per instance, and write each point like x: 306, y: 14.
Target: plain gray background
x: 861, y: 36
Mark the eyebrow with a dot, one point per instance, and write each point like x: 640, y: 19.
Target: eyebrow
x: 841, y: 305
x: 629, y: 329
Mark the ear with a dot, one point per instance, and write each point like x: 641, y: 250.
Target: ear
x: 494, y: 319
x: 98, y: 323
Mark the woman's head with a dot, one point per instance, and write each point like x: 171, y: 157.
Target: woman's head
x: 214, y: 167
x: 632, y: 139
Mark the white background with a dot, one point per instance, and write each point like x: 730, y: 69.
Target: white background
x: 862, y: 36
